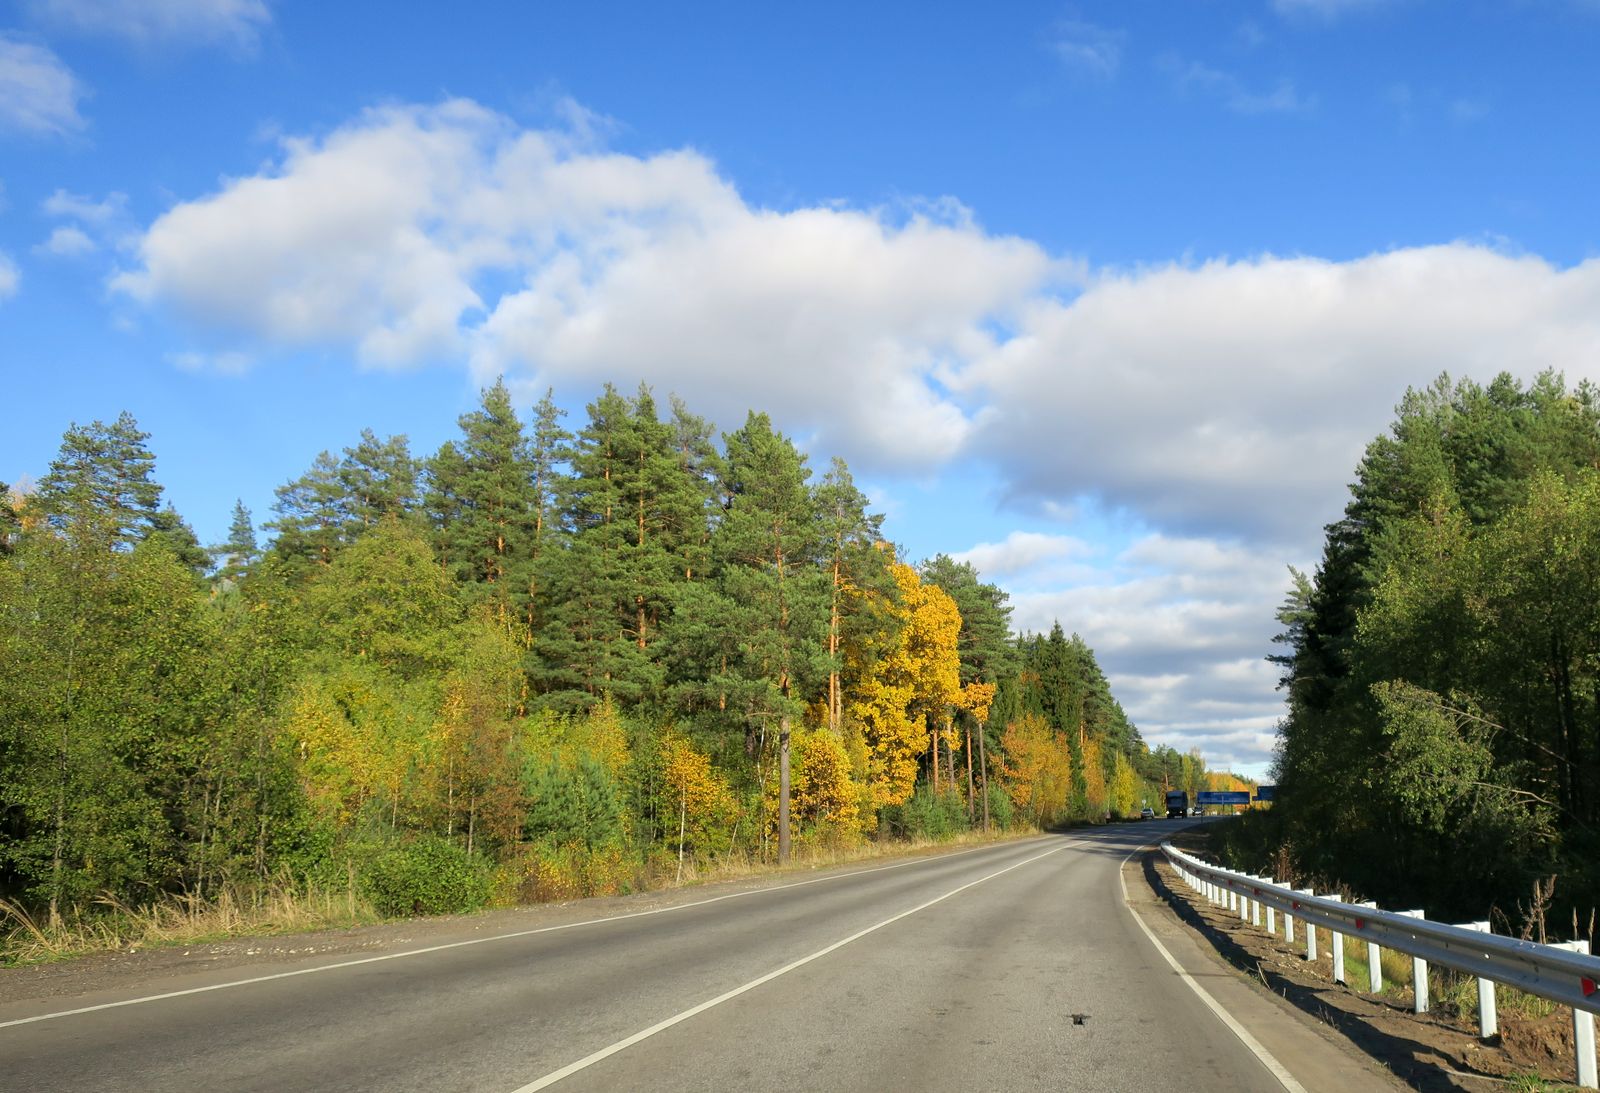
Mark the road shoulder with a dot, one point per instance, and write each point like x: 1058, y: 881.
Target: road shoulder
x: 1318, y: 1058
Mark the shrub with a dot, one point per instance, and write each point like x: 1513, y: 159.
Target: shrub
x: 428, y: 876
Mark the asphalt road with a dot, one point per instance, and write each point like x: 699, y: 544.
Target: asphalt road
x: 962, y: 971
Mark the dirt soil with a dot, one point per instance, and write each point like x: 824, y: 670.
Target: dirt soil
x: 1432, y: 1051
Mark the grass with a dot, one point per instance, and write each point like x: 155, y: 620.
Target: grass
x: 188, y: 919
x: 111, y: 924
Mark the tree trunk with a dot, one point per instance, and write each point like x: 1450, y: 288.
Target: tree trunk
x: 783, y: 790
x: 683, y: 816
x: 970, y: 801
x: 933, y: 767
x: 983, y: 776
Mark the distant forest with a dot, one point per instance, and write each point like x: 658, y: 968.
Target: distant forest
x: 539, y: 663
x: 1442, y: 745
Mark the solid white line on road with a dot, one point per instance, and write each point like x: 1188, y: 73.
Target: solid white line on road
x: 678, y: 1018
x: 1279, y: 1071
x: 484, y: 940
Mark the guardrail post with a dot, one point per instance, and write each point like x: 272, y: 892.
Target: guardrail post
x: 1311, y: 930
x: 1338, y: 946
x: 1374, y: 963
x: 1288, y: 926
x: 1582, y: 1028
x: 1488, y: 1020
x: 1244, y: 904
x: 1255, y: 906
x: 1233, y: 897
x: 1272, y: 913
x: 1419, y: 974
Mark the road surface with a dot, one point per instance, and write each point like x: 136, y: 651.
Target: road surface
x: 1013, y: 966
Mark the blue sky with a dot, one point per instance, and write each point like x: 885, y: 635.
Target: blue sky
x: 1106, y: 297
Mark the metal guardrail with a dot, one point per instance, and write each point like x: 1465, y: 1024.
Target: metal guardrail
x: 1564, y: 973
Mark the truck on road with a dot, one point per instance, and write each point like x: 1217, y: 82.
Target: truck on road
x: 1177, y: 804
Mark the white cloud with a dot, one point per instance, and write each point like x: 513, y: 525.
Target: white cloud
x: 420, y: 233
x: 1192, y: 76
x: 38, y: 94
x: 1181, y: 626
x: 67, y: 242
x: 1021, y: 550
x: 87, y: 209
x: 1088, y: 49
x: 9, y: 277
x: 235, y: 22
x: 1235, y: 397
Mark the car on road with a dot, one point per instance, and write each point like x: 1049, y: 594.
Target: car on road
x: 1197, y: 810
x: 1147, y: 813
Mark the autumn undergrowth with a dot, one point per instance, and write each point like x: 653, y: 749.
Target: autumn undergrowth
x: 111, y: 924
x: 738, y: 865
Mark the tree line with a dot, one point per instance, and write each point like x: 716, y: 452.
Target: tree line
x: 1442, y: 742
x: 539, y: 663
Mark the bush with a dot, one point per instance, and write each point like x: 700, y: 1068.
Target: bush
x: 928, y: 817
x: 428, y: 876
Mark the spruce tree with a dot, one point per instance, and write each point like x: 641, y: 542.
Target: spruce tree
x: 238, y: 552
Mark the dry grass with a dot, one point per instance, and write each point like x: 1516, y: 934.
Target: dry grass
x: 187, y: 919
x: 739, y: 865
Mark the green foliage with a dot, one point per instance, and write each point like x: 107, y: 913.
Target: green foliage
x: 426, y: 876
x: 574, y: 657
x: 573, y: 805
x: 1443, y: 664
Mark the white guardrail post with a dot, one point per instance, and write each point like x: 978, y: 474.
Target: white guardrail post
x: 1311, y: 929
x: 1582, y: 1028
x: 1488, y: 1019
x: 1567, y: 974
x: 1419, y: 973
x: 1338, y: 947
x: 1374, y: 960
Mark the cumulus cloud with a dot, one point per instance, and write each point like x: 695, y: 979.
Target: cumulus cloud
x: 420, y: 233
x: 87, y: 209
x: 67, y: 242
x: 1021, y: 550
x: 9, y: 277
x: 235, y: 22
x: 1235, y: 397
x: 38, y: 93
x: 1181, y: 626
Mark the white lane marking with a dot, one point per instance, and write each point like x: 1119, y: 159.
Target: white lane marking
x: 493, y: 937
x: 678, y: 1018
x: 1279, y: 1071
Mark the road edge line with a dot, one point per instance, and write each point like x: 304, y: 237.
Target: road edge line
x: 1266, y: 1058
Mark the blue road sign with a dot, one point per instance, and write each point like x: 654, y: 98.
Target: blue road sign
x: 1223, y: 797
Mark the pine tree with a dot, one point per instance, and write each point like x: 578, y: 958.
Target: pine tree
x: 480, y: 503
x: 170, y: 529
x: 101, y: 484
x: 773, y: 593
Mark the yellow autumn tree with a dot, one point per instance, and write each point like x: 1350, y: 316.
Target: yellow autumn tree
x: 1036, y: 768
x: 1094, y: 778
x: 704, y: 803
x: 1124, y: 786
x: 900, y: 683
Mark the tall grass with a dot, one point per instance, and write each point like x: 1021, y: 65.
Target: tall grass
x: 182, y: 919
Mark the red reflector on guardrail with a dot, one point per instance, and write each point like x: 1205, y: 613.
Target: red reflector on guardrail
x: 1361, y: 924
x: 1588, y: 987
